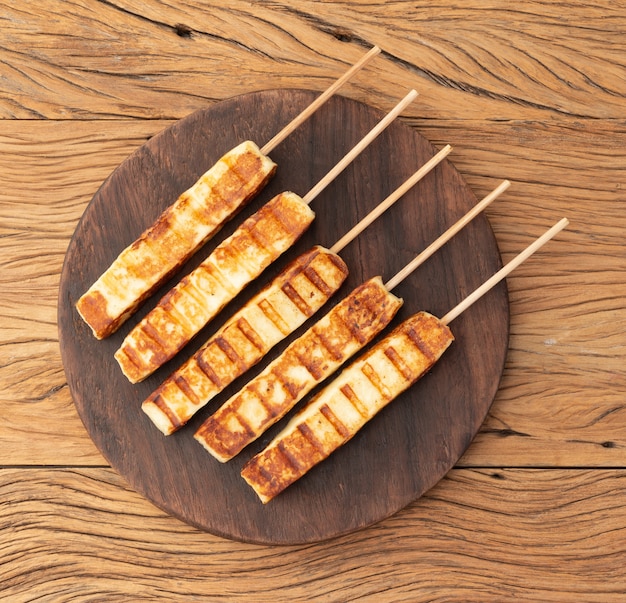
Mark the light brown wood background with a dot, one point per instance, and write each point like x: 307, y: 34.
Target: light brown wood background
x: 533, y: 91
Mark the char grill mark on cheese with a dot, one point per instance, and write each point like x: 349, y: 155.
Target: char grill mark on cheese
x: 264, y: 321
x: 336, y: 414
x: 274, y: 317
x: 308, y: 360
x: 348, y: 392
x: 205, y: 367
x: 174, y: 237
x: 250, y: 334
x: 318, y: 282
x: 293, y: 295
x: 202, y: 294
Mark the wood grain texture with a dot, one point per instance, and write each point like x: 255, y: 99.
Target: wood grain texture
x: 90, y: 59
x: 479, y: 535
x: 533, y: 91
x: 48, y: 177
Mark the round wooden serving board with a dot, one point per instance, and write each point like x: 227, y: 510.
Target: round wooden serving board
x: 413, y: 442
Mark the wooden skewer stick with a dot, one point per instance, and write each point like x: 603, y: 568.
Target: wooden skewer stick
x: 356, y: 230
x: 446, y: 236
x: 359, y: 147
x: 503, y: 272
x: 319, y: 101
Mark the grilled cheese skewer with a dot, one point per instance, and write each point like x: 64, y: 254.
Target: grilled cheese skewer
x: 292, y: 297
x: 200, y: 295
x: 176, y: 235
x: 263, y: 401
x: 336, y: 414
x: 237, y: 261
x: 196, y: 216
x: 321, y: 350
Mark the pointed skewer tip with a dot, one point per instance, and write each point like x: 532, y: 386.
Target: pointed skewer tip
x: 504, y: 271
x: 395, y: 280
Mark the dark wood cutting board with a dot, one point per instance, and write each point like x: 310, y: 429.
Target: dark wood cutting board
x: 412, y: 443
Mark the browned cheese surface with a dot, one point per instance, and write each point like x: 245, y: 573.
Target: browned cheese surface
x: 199, y: 297
x: 308, y: 360
x: 265, y: 320
x: 178, y: 232
x: 347, y: 403
x: 532, y: 91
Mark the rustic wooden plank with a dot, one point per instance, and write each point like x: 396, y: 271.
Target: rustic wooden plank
x: 49, y: 173
x: 560, y: 400
x: 154, y: 59
x: 479, y: 535
x: 567, y: 311
x: 532, y: 91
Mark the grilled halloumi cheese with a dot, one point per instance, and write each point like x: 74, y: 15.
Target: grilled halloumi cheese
x: 175, y: 236
x: 266, y: 319
x: 336, y: 414
x: 200, y: 295
x: 306, y: 362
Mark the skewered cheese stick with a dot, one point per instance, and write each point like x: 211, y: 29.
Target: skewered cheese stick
x: 279, y: 309
x: 321, y: 350
x: 305, y: 363
x: 196, y: 216
x: 200, y: 295
x: 294, y: 295
x: 336, y: 414
x: 175, y: 236
x: 238, y: 260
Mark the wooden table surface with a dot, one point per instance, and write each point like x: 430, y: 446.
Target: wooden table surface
x: 532, y: 91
